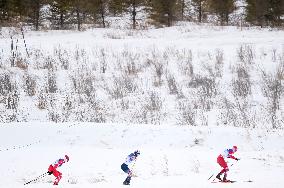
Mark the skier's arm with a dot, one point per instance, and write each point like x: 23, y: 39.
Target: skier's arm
x: 233, y: 157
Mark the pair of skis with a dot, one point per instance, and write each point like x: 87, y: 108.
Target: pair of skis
x: 230, y: 181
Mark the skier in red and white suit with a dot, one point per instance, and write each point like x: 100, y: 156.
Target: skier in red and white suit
x: 228, y: 153
x: 53, y: 169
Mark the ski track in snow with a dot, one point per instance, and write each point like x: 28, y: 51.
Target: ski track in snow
x: 169, y: 155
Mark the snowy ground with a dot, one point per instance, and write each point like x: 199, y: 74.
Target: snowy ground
x: 182, y: 156
x: 170, y: 156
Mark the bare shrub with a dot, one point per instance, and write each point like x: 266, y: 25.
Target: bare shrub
x: 5, y: 84
x: 68, y: 105
x: 237, y: 112
x: 63, y: 57
x: 122, y: 86
x: 132, y: 59
x: 186, y: 66
x: 273, y: 90
x: 98, y: 112
x: 207, y: 85
x: 21, y: 63
x: 48, y: 63
x: 246, y: 54
x: 187, y: 114
x: 150, y: 111
x: 84, y: 83
x: 172, y: 85
x: 12, y: 100
x: 219, y: 62
x: 103, y: 60
x: 241, y: 85
x: 53, y: 111
x: 29, y: 85
x: 51, y: 82
x: 124, y: 104
x: 159, y: 70
x: 93, y: 110
x: 42, y: 101
x: 154, y: 102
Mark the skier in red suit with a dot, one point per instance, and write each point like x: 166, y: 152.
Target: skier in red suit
x: 53, y: 169
x: 228, y: 153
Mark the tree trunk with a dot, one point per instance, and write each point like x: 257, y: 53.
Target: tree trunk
x: 61, y: 20
x: 78, y: 19
x: 199, y: 11
x: 134, y: 14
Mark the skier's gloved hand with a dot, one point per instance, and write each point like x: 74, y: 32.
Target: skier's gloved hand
x: 49, y: 173
x: 237, y: 159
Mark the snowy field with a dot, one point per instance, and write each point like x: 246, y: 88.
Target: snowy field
x: 170, y: 156
x: 146, y: 90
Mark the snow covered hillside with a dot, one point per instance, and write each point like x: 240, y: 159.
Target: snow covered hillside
x: 170, y: 156
x: 187, y: 74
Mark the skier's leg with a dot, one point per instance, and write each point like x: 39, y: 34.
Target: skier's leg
x: 58, y: 176
x: 223, y: 164
x: 125, y: 169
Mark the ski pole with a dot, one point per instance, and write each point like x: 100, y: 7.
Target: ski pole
x: 37, y: 178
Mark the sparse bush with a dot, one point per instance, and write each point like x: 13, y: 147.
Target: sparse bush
x: 187, y: 115
x: 53, y: 111
x: 273, y: 90
x: 29, y: 85
x: 219, y: 63
x: 242, y: 85
x: 208, y: 85
x: 21, y: 63
x: 238, y: 113
x: 84, y: 83
x: 150, y: 111
x: 48, y: 63
x: 172, y: 85
x: 63, y: 57
x: 5, y: 84
x: 159, y: 70
x: 122, y: 86
x: 51, y: 82
x: 246, y: 54
x: 42, y: 101
x: 12, y: 100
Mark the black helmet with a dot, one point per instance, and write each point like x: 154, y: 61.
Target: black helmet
x: 136, y: 153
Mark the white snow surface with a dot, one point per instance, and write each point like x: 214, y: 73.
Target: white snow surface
x: 170, y: 155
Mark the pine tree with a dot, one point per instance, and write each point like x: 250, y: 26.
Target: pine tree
x: 222, y: 8
x: 181, y: 8
x: 79, y: 7
x: 132, y: 6
x: 33, y: 8
x: 116, y: 7
x: 3, y: 11
x: 163, y: 11
x: 199, y: 8
x: 98, y: 9
x: 256, y: 11
x: 60, y: 10
x: 276, y: 11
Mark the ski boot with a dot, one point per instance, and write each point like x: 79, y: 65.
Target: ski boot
x: 127, y: 181
x: 225, y: 178
x: 218, y: 176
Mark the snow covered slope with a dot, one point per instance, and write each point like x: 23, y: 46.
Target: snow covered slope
x: 170, y: 156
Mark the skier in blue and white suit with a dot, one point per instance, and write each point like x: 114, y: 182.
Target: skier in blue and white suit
x: 130, y: 158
